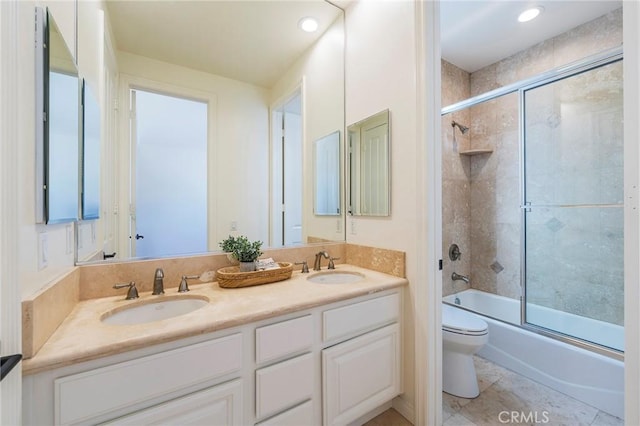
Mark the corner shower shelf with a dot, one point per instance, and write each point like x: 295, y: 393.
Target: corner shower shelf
x: 470, y: 152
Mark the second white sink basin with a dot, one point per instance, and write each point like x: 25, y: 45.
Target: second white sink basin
x: 336, y: 277
x: 154, y: 310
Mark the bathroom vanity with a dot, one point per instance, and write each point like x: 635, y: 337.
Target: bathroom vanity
x: 295, y: 352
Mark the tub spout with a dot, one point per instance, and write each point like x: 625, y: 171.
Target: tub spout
x: 458, y: 277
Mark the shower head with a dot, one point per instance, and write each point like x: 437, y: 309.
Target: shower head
x: 463, y: 129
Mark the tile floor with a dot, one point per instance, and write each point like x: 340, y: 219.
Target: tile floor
x: 531, y: 403
x: 502, y: 390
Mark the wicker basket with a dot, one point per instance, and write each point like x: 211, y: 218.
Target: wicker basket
x: 231, y: 277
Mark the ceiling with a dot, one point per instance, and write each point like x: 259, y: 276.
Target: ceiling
x: 478, y: 33
x: 257, y: 40
x: 253, y: 41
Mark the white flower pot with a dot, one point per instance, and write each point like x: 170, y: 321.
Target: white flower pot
x: 247, y: 266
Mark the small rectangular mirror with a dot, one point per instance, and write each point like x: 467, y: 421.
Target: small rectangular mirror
x: 327, y: 175
x: 369, y: 166
x: 58, y: 125
x: 90, y: 154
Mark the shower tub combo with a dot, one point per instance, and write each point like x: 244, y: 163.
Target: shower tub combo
x: 585, y: 375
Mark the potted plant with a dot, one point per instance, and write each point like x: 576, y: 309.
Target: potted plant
x: 244, y: 251
x: 227, y: 246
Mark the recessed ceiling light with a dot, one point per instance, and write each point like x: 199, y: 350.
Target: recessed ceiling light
x: 530, y: 14
x: 308, y: 24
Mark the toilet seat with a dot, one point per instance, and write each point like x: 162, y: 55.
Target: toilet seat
x: 459, y: 321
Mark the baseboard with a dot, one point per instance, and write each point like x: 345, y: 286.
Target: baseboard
x: 405, y: 408
x: 371, y: 414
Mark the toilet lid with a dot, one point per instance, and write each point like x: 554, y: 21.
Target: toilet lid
x: 462, y: 322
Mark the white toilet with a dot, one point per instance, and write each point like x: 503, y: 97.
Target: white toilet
x: 463, y: 334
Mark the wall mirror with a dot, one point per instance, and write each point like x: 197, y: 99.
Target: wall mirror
x: 369, y: 166
x: 90, y: 176
x: 243, y: 60
x: 58, y: 125
x: 326, y: 152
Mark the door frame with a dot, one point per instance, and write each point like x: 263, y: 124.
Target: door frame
x: 10, y: 223
x: 123, y: 168
x: 275, y: 208
x: 428, y: 334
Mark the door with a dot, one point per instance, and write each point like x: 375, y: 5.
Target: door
x: 168, y: 212
x: 374, y: 158
x: 286, y: 189
x: 573, y: 206
x: 10, y: 166
x: 108, y: 193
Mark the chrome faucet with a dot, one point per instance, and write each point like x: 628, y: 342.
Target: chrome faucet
x: 458, y: 277
x: 319, y: 256
x: 158, y: 283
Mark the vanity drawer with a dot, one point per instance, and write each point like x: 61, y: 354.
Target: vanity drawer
x: 284, y: 385
x: 284, y: 338
x: 360, y: 317
x: 133, y: 382
x: 296, y: 416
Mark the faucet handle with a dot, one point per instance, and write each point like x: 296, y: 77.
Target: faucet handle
x: 133, y: 291
x: 305, y: 267
x: 184, y: 287
x: 331, y: 264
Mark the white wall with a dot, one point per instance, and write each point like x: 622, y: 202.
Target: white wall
x: 60, y: 253
x: 381, y: 74
x: 321, y: 69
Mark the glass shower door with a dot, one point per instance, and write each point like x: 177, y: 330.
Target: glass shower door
x: 573, y: 206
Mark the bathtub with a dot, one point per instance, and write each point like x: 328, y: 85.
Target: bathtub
x: 584, y: 375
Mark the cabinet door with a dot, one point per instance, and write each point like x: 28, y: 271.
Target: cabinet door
x: 360, y: 374
x: 217, y: 406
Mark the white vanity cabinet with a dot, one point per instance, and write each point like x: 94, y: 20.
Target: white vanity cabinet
x: 328, y: 364
x: 363, y: 372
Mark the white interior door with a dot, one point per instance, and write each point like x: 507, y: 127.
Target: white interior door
x: 10, y: 167
x: 168, y: 207
x: 374, y: 153
x: 286, y: 165
x: 109, y: 156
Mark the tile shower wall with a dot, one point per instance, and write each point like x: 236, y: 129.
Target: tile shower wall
x: 456, y: 185
x: 481, y: 194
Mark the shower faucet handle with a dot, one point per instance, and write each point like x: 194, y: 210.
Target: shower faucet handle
x: 454, y: 252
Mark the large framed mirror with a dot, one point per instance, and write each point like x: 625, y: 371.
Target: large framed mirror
x: 248, y: 63
x: 370, y: 166
x: 58, y: 125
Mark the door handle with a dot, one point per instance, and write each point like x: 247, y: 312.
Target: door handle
x: 139, y: 237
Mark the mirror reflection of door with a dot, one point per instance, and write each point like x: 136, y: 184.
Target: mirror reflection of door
x: 168, y: 202
x: 286, y: 223
x: 369, y: 172
x: 326, y: 152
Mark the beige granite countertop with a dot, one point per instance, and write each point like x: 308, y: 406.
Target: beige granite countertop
x: 82, y: 336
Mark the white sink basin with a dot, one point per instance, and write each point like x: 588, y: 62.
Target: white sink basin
x: 336, y: 277
x: 153, y: 311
